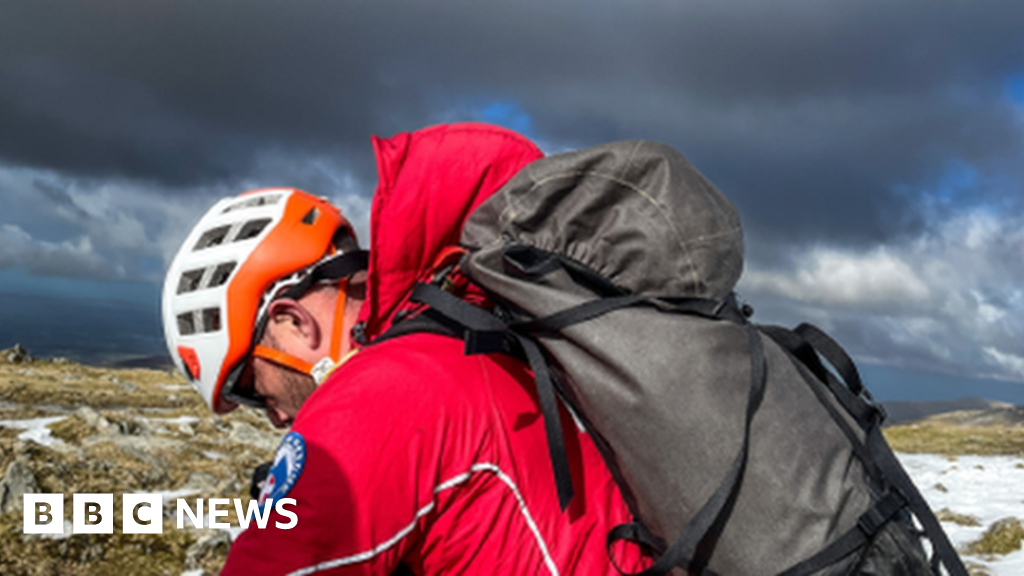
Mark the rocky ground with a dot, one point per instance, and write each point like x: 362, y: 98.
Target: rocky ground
x: 67, y: 428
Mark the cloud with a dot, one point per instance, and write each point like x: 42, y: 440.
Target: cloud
x: 1013, y: 363
x: 874, y: 152
x: 807, y: 115
x: 834, y: 277
x: 73, y: 259
x: 125, y: 229
x: 949, y: 299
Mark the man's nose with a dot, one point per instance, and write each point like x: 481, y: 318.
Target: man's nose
x: 278, y: 418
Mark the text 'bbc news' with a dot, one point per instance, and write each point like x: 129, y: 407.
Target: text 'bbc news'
x: 143, y: 513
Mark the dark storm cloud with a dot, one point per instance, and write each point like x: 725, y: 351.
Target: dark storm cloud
x: 872, y: 147
x: 808, y: 114
x: 59, y: 198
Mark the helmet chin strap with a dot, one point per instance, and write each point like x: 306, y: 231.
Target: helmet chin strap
x: 323, y: 368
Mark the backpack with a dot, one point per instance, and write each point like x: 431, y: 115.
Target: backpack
x: 737, y: 448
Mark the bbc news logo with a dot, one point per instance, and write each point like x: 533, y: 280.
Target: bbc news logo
x: 143, y: 513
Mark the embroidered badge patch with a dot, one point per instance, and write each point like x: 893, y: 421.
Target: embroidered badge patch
x: 284, y: 472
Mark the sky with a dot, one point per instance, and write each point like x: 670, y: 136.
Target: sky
x: 873, y: 148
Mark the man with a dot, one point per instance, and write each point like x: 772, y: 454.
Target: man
x: 409, y: 452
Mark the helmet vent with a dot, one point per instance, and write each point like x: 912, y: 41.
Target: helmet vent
x: 199, y: 321
x: 211, y: 319
x: 189, y: 281
x: 254, y: 202
x: 210, y: 277
x: 311, y: 216
x: 210, y: 238
x: 251, y: 229
x: 186, y: 324
x: 221, y: 275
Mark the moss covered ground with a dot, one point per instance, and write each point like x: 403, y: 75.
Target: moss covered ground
x: 123, y: 431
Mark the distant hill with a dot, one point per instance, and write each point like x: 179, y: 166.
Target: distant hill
x: 902, y: 411
x: 1002, y: 417
x: 154, y: 362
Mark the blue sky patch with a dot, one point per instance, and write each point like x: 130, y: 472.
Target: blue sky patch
x: 507, y: 114
x: 956, y: 183
x: 1013, y: 87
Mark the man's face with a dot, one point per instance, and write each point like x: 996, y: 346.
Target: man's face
x: 284, y: 389
x: 301, y: 329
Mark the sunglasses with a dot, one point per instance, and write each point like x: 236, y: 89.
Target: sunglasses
x: 240, y: 385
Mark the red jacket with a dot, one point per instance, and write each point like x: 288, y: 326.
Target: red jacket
x: 412, y: 452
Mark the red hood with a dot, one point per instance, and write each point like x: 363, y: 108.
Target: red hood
x: 429, y: 182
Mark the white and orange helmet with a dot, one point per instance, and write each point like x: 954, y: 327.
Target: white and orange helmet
x: 244, y: 252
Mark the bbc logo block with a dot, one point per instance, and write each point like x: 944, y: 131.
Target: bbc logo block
x: 142, y: 514
x: 93, y: 514
x: 44, y: 513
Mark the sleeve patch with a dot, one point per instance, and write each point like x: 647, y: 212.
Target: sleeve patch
x: 286, y: 468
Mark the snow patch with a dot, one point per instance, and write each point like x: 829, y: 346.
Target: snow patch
x: 35, y: 429
x: 987, y: 487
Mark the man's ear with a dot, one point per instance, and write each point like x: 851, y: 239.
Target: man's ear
x: 295, y: 321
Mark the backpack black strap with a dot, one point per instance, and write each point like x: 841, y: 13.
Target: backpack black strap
x: 695, y: 545
x: 868, y: 525
x: 863, y: 413
x: 803, y: 343
x: 835, y: 355
x: 418, y: 324
x: 879, y: 458
x: 693, y: 548
x: 483, y: 331
x: 894, y: 472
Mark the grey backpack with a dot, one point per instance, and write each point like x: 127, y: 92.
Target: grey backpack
x: 738, y: 450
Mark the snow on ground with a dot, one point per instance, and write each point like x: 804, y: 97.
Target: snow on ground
x: 176, y: 421
x: 35, y: 429
x: 987, y: 487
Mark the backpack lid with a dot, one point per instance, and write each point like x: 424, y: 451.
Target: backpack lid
x: 618, y: 209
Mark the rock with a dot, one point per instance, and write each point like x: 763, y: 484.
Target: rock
x: 24, y: 450
x: 1002, y: 537
x: 947, y: 515
x: 89, y: 416
x: 213, y: 542
x: 150, y: 444
x: 155, y: 476
x: 126, y: 386
x: 247, y: 434
x: 16, y: 355
x: 94, y: 420
x: 203, y: 481
x: 18, y: 481
x: 155, y: 463
x: 229, y: 486
x: 91, y: 553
